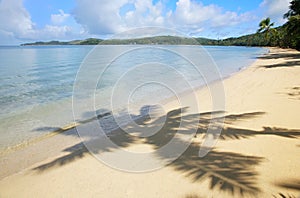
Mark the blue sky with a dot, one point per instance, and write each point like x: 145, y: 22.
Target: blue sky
x: 32, y: 20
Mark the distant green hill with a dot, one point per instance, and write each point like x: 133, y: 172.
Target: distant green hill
x: 275, y: 38
x: 257, y: 39
x: 90, y: 41
x: 157, y: 40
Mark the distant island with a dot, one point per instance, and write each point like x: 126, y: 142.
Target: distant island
x: 266, y: 36
x: 90, y: 41
x: 156, y: 40
x: 257, y: 39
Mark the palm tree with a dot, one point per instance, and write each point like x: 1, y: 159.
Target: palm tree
x: 265, y: 25
x: 292, y: 26
x: 294, y: 9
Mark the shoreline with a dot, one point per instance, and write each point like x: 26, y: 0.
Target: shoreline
x: 71, y: 125
x: 260, y: 139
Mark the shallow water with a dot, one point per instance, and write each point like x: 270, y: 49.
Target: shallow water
x: 36, y: 82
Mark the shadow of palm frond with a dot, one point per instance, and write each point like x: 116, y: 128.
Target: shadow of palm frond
x: 176, y: 123
x: 294, y: 93
x: 226, y: 171
x: 77, y: 151
x: 236, y: 133
x: 192, y: 196
x: 240, y: 133
x: 286, y: 55
x: 281, y: 195
x: 285, y: 64
x: 293, y: 184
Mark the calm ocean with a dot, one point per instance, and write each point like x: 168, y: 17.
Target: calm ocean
x: 36, y: 82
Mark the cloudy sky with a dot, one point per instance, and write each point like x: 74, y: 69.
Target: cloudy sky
x: 32, y: 20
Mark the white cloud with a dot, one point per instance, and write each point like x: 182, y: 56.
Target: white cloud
x: 275, y: 9
x: 99, y: 16
x: 14, y: 19
x: 106, y: 17
x: 103, y: 16
x: 191, y: 13
x: 16, y: 24
x: 50, y: 32
x: 194, y: 16
x: 145, y: 14
x: 59, y: 18
x: 7, y: 38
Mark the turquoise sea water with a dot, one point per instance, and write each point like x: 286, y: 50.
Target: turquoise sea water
x: 36, y: 82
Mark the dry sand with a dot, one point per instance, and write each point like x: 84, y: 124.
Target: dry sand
x: 257, y: 154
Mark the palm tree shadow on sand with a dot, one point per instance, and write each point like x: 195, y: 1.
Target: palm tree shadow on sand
x: 225, y: 171
x: 289, y: 59
x: 293, y: 184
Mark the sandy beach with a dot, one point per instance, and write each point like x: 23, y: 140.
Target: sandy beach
x: 257, y: 154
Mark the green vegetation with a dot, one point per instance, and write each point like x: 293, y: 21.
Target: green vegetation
x: 46, y: 43
x: 90, y: 41
x: 293, y: 25
x: 157, y: 40
x: 266, y: 38
x: 265, y: 25
x: 286, y: 36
